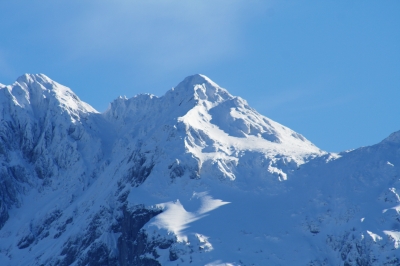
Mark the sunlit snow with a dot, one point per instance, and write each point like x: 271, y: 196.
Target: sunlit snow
x: 176, y: 219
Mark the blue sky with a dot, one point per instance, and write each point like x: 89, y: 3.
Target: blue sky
x: 329, y: 70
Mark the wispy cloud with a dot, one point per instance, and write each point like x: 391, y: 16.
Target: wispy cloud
x: 166, y: 34
x: 138, y: 37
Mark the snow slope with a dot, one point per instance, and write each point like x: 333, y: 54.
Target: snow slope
x: 195, y: 177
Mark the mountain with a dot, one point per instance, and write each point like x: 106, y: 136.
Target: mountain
x: 195, y: 177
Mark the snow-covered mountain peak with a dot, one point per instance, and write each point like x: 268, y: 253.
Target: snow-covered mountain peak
x: 203, y: 105
x: 210, y: 128
x: 199, y: 88
x: 38, y: 92
x: 192, y: 91
x: 229, y: 113
x: 31, y: 78
x: 197, y: 79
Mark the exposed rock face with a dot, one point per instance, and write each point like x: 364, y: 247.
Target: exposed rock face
x: 132, y: 243
x: 195, y: 177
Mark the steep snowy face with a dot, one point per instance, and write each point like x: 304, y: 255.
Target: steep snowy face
x: 40, y: 92
x: 41, y: 123
x: 36, y: 111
